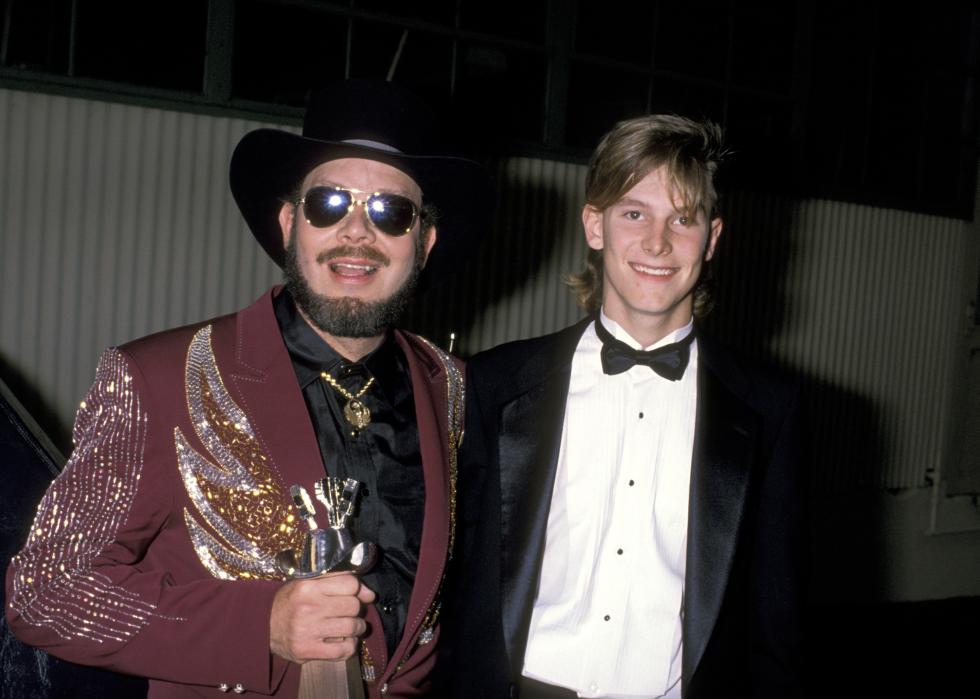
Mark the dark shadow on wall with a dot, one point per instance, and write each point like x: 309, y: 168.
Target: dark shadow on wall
x: 527, y: 223
x: 747, y: 275
x: 845, y: 450
x: 29, y: 462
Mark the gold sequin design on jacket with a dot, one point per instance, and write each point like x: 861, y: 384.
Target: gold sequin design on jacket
x: 236, y: 492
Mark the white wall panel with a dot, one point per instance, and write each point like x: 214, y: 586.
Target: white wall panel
x: 117, y: 221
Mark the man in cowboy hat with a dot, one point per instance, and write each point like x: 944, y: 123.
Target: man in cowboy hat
x: 158, y: 551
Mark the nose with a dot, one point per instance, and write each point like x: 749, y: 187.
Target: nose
x: 355, y: 226
x: 656, y: 239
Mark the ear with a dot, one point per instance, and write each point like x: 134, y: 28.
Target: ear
x: 713, y: 235
x: 430, y: 241
x: 592, y: 222
x: 286, y: 215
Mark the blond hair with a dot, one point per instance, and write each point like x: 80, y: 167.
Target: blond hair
x: 690, y: 152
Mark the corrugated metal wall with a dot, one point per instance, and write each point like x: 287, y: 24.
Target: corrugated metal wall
x: 865, y: 302
x: 116, y: 221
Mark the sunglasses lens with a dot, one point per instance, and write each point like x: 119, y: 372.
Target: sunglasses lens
x: 393, y: 214
x: 325, y: 206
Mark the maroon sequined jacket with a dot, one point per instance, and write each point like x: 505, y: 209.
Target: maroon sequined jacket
x: 153, y: 552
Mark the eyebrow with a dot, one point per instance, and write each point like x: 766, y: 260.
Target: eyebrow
x: 629, y: 201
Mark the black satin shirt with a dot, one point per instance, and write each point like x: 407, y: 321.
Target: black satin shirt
x: 384, y: 456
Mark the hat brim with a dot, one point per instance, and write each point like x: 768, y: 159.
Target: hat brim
x: 269, y: 164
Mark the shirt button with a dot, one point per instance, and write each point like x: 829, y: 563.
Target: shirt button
x: 384, y: 688
x: 239, y: 689
x: 223, y: 687
x: 619, y: 551
x: 606, y: 617
x: 631, y: 482
x: 641, y: 416
x: 594, y: 688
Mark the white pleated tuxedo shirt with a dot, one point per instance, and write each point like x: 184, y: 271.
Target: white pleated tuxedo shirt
x: 607, y: 617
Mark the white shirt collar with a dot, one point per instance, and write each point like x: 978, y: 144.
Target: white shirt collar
x: 620, y: 334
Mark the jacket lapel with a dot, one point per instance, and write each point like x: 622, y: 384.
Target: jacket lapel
x: 263, y: 379
x: 429, y: 388
x: 529, y: 438
x: 262, y: 368
x: 725, y: 432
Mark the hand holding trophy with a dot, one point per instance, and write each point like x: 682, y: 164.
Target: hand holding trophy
x: 326, y: 551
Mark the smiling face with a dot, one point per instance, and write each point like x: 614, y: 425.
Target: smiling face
x: 652, y: 255
x: 350, y: 279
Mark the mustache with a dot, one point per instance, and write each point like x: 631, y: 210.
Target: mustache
x: 360, y: 251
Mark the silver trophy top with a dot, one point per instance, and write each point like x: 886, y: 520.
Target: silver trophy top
x: 330, y: 549
x: 339, y: 497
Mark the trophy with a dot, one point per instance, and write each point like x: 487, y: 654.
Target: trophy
x: 326, y: 551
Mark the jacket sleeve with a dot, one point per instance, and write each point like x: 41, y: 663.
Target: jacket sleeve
x: 81, y: 589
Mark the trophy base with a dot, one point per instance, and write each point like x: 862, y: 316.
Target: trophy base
x: 331, y: 679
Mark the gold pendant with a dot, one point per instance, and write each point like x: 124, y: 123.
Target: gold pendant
x: 357, y: 414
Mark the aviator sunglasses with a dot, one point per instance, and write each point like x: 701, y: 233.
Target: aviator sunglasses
x: 392, y: 214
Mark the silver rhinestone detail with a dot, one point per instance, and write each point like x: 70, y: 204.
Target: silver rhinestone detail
x: 54, y: 584
x: 244, y: 517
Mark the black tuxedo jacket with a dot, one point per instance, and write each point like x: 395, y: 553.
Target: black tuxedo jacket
x: 742, y: 598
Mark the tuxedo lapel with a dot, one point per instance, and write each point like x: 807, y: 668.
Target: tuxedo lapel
x: 529, y: 438
x: 726, y: 431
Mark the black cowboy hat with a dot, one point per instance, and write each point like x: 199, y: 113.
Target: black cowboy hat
x: 363, y: 119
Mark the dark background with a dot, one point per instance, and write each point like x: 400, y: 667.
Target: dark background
x: 868, y: 102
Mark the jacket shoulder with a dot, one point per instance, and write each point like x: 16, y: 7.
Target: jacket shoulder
x: 762, y: 384
x: 437, y: 358
x: 565, y: 339
x: 171, y: 345
x: 165, y: 344
x: 522, y: 362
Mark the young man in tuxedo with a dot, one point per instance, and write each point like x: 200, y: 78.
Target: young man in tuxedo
x: 629, y: 487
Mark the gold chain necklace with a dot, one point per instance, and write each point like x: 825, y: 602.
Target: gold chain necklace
x: 357, y: 414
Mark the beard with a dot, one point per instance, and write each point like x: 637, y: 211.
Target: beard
x: 346, y: 316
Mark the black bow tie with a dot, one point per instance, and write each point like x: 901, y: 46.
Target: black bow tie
x: 669, y: 361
